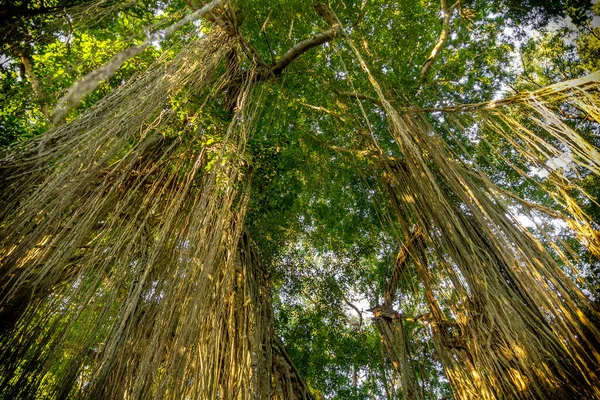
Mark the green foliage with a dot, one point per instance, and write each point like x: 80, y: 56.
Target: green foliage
x: 335, y: 348
x: 540, y: 10
x: 61, y: 49
x: 317, y: 209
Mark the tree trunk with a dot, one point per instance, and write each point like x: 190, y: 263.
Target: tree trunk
x: 390, y: 326
x: 275, y: 375
x: 393, y: 334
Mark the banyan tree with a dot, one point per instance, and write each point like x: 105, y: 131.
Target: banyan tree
x: 211, y: 188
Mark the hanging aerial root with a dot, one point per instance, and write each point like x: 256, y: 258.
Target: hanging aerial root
x: 506, y: 319
x: 125, y: 243
x: 546, y: 136
x: 91, y: 81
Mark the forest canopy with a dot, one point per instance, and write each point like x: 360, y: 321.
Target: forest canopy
x: 249, y: 199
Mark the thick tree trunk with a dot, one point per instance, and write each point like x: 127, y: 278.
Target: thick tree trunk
x: 275, y: 375
x: 287, y: 384
x: 391, y: 328
x: 393, y: 334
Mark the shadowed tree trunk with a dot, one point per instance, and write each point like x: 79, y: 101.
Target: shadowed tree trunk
x: 391, y: 327
x: 275, y: 376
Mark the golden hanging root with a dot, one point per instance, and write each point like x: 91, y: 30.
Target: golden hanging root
x: 91, y: 81
x: 511, y: 323
x: 533, y: 124
x: 509, y: 281
x: 133, y: 225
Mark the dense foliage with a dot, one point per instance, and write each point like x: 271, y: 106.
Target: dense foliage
x: 319, y: 151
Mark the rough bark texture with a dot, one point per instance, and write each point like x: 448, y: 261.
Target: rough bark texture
x: 312, y: 42
x: 441, y: 42
x: 275, y: 375
x: 287, y: 382
x: 390, y: 326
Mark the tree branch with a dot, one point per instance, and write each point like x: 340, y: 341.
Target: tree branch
x: 441, y: 40
x: 93, y: 79
x: 27, y: 68
x: 292, y: 54
x: 357, y: 95
x: 584, y: 83
x: 313, y: 42
x: 358, y: 312
x: 323, y: 110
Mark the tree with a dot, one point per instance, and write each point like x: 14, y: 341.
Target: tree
x: 212, y: 198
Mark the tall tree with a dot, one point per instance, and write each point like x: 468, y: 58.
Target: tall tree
x: 214, y: 194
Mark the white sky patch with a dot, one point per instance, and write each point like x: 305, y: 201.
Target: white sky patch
x: 525, y: 221
x: 160, y: 9
x: 561, y: 162
x: 536, y: 222
x: 362, y: 304
x: 508, y: 35
x: 155, y: 42
x: 4, y: 59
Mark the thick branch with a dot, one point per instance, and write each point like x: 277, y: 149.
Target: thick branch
x: 315, y: 41
x: 91, y: 81
x: 303, y: 47
x: 441, y: 40
x: 292, y: 54
x: 583, y: 84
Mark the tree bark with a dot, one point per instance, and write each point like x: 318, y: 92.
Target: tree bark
x: 315, y: 41
x: 275, y: 375
x: 27, y: 68
x: 390, y: 326
x: 441, y: 42
x: 393, y: 334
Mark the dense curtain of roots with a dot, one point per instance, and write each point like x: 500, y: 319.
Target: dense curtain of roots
x: 125, y: 272
x: 120, y: 230
x: 506, y: 320
x: 533, y: 126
